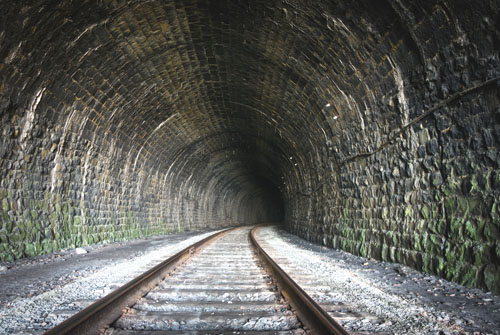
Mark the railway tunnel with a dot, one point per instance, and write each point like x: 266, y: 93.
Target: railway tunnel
x: 371, y: 127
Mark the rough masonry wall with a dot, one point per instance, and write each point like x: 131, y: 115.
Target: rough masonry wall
x: 59, y: 189
x: 374, y: 125
x: 427, y: 196
x: 87, y: 153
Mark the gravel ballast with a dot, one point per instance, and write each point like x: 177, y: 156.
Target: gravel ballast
x: 404, y: 300
x: 38, y: 293
x: 51, y: 288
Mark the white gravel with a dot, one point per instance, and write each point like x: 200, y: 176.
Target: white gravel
x: 403, y: 300
x: 352, y: 284
x: 41, y: 312
x: 80, y: 251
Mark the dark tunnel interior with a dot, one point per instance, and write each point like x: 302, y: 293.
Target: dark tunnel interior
x: 367, y: 126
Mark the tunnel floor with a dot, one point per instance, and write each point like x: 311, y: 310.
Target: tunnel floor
x: 404, y: 300
x: 38, y: 293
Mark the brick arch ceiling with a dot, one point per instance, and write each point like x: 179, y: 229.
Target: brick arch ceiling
x: 170, y: 86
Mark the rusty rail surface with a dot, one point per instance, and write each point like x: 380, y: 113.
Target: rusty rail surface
x: 107, y: 309
x: 309, y: 312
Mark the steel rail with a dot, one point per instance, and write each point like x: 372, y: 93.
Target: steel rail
x: 107, y: 309
x: 308, y: 311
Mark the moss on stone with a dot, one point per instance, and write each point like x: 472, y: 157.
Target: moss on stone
x: 5, y: 252
x: 392, y: 254
x: 436, y: 242
x: 453, y: 183
x: 47, y: 246
x: 467, y: 275
x: 30, y: 249
x: 492, y: 278
x: 471, y: 230
x: 450, y: 254
x: 425, y: 212
x: 364, y: 250
x: 465, y: 252
x: 491, y: 232
x: 475, y: 189
x: 417, y: 245
x: 456, y: 229
x: 426, y: 263
x: 17, y: 250
x: 450, y: 204
x: 5, y: 205
x: 450, y: 270
x: 442, y: 226
x: 482, y: 254
x: 494, y: 212
x: 8, y: 225
x: 3, y: 237
x: 462, y: 208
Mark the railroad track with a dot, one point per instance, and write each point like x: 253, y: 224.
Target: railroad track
x: 224, y: 284
x: 353, y: 318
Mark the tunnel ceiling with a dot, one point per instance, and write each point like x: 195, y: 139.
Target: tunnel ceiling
x: 370, y: 126
x: 266, y: 84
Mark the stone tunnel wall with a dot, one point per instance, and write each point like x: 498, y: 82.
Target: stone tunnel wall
x: 80, y: 116
x: 374, y: 124
x: 60, y: 189
x: 426, y: 196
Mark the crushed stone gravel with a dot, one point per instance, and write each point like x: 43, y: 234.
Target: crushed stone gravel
x: 405, y: 300
x: 66, y: 295
x: 38, y: 293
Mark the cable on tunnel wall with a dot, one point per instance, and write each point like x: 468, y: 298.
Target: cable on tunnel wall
x: 393, y: 135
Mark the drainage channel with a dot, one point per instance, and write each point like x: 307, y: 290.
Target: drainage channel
x: 216, y: 287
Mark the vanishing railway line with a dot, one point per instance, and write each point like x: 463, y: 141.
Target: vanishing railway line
x: 224, y: 284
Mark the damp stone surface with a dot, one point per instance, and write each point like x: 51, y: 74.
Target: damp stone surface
x: 372, y: 128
